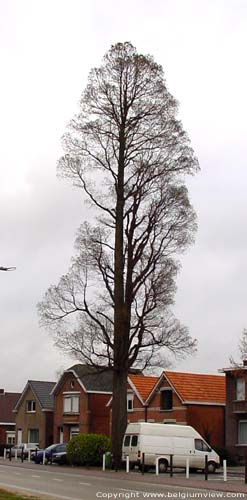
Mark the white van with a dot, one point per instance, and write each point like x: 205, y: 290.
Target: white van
x: 163, y: 440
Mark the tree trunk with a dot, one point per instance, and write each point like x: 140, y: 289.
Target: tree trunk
x: 119, y: 414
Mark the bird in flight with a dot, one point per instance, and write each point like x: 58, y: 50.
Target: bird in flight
x: 7, y: 268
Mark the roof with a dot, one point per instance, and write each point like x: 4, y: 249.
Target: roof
x: 42, y: 391
x: 143, y: 384
x: 8, y: 401
x: 93, y: 379
x: 198, y: 388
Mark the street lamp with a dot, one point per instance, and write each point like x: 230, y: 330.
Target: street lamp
x: 7, y: 268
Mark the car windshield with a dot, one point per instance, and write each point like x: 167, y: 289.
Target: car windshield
x: 51, y: 447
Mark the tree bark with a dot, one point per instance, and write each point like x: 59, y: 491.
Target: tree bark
x: 119, y: 414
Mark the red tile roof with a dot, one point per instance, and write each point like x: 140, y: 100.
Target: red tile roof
x: 143, y: 384
x: 198, y: 387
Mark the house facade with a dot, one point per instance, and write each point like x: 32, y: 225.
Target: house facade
x: 236, y: 412
x: 34, y: 414
x: 80, y: 402
x: 8, y: 401
x: 183, y: 398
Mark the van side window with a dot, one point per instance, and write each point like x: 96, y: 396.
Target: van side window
x: 127, y: 441
x: 134, y: 440
x: 201, y: 446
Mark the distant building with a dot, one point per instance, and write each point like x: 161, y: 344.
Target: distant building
x: 7, y: 418
x: 236, y: 411
x: 34, y: 414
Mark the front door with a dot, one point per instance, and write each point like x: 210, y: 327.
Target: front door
x: 19, y: 436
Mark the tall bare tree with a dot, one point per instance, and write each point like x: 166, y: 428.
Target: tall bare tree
x: 129, y: 153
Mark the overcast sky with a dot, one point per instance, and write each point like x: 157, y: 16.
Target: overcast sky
x: 46, y: 51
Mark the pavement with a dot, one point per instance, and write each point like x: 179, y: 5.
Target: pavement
x: 235, y: 477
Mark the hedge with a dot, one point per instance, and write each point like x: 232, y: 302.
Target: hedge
x: 87, y: 449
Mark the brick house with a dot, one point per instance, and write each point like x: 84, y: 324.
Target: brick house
x: 34, y: 414
x: 236, y: 411
x: 193, y: 399
x: 8, y: 401
x: 80, y: 402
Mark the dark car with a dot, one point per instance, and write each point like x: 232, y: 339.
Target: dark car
x: 60, y: 455
x: 38, y: 457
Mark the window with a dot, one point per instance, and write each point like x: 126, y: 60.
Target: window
x: 33, y: 436
x: 31, y: 406
x: 130, y: 402
x: 134, y: 440
x: 242, y: 432
x: 201, y: 446
x: 166, y: 400
x: 71, y: 404
x: 74, y: 430
x: 10, y: 437
x: 127, y: 441
x: 240, y: 389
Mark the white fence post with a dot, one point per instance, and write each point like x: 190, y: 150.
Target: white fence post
x: 29, y: 455
x: 224, y: 470
x: 15, y: 454
x: 127, y: 464
x: 157, y: 466
x: 103, y: 466
x: 187, y: 468
x: 4, y: 453
x: 44, y: 457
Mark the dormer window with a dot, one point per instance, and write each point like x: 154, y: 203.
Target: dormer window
x: 31, y: 406
x: 130, y: 402
x: 166, y: 400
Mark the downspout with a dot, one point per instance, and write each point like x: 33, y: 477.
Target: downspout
x: 146, y: 413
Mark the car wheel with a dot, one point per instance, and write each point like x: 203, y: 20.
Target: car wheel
x: 211, y: 467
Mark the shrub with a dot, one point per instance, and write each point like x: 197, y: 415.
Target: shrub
x: 87, y: 449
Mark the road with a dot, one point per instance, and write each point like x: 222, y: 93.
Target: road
x: 55, y: 483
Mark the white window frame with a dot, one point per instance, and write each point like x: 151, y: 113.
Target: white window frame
x: 32, y: 404
x: 71, y: 403
x: 240, y: 389
x: 130, y: 399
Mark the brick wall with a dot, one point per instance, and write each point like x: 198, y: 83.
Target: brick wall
x: 209, y: 421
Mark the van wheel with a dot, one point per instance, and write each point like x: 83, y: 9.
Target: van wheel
x: 211, y: 467
x: 163, y: 465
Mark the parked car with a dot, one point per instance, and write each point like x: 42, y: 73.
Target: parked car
x: 38, y: 457
x: 60, y: 455
x: 22, y: 446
